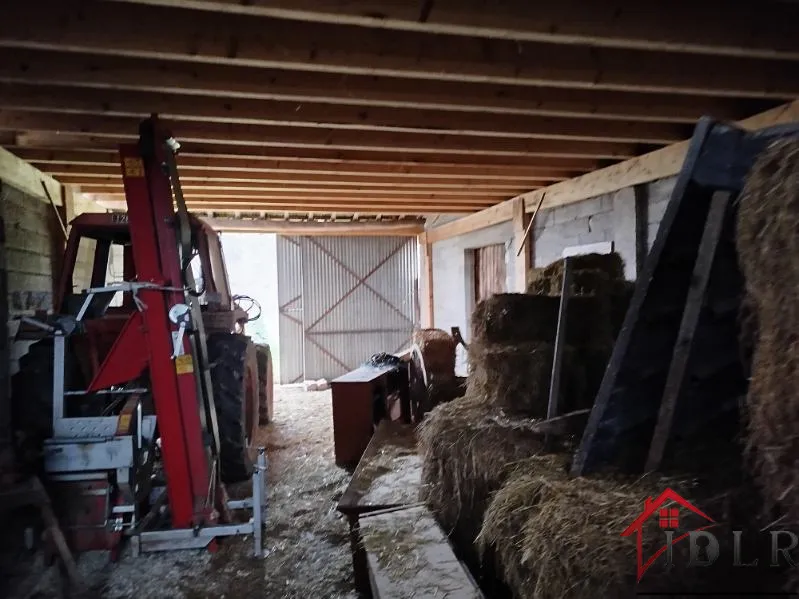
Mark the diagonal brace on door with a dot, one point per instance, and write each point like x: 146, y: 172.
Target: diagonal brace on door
x: 360, y: 281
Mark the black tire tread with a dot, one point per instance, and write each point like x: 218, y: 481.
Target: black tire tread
x: 227, y: 354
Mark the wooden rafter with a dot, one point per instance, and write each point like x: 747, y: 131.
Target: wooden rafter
x: 119, y: 129
x: 714, y: 27
x: 207, y: 37
x: 121, y: 73
x: 87, y: 102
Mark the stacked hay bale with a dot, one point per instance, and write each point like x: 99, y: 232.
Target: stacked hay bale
x: 768, y: 221
x: 467, y: 443
x: 599, y: 299
x: 553, y: 536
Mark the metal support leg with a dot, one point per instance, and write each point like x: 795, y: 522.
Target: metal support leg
x: 258, y: 496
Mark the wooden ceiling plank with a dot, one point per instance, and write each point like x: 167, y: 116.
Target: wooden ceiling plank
x: 121, y: 128
x: 343, y: 229
x: 200, y: 109
x: 69, y: 141
x: 723, y: 28
x: 192, y: 177
x: 301, y: 164
x: 114, y: 73
x: 354, y: 190
x: 311, y: 194
x: 197, y: 36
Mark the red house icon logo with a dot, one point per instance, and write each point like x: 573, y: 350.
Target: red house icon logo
x: 668, y: 519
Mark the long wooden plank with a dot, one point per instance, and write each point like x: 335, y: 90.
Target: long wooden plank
x: 100, y: 72
x: 409, y: 556
x: 259, y: 205
x: 480, y: 195
x: 337, y: 229
x: 731, y: 29
x: 392, y: 185
x: 242, y: 40
x: 23, y: 176
x: 70, y: 148
x: 659, y: 164
x: 80, y: 174
x: 245, y: 111
x: 120, y: 129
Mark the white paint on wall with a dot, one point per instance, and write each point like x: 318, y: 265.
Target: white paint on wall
x: 252, y: 269
x: 453, y: 279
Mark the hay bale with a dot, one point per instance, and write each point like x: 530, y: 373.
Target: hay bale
x: 768, y: 218
x: 514, y: 378
x: 465, y: 444
x: 512, y: 318
x: 553, y: 536
x: 438, y: 351
x: 591, y: 274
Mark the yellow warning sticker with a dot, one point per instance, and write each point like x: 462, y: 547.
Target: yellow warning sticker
x: 183, y: 364
x: 123, y: 426
x: 134, y: 167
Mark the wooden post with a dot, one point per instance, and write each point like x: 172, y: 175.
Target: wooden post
x: 524, y: 259
x: 426, y: 272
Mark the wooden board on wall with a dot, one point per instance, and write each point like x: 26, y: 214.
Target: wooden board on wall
x: 490, y: 271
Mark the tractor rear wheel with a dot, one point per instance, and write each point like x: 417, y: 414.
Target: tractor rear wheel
x: 266, y: 384
x: 32, y: 397
x: 234, y: 375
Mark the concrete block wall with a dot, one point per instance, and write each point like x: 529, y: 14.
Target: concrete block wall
x: 609, y: 217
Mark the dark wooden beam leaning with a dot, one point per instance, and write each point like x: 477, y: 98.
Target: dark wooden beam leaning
x: 207, y: 37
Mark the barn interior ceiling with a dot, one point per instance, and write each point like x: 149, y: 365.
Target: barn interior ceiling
x: 369, y: 107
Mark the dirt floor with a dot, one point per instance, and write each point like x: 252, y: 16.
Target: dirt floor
x: 306, y: 543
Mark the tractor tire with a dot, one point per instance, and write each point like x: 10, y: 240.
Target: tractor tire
x: 32, y: 398
x: 234, y: 373
x: 266, y: 384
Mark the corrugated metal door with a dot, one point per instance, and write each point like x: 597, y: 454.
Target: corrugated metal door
x: 289, y: 297
x: 490, y: 271
x: 357, y: 298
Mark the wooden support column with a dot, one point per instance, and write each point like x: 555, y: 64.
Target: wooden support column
x: 426, y: 276
x: 523, y: 262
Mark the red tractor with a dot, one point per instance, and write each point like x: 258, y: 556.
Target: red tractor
x: 147, y: 344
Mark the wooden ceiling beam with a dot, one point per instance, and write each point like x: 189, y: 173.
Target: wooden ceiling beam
x: 343, y: 229
x: 79, y: 175
x: 298, y: 165
x: 231, y: 39
x: 72, y: 142
x: 208, y: 204
x: 117, y: 73
x: 331, y: 188
x: 707, y: 27
x: 331, y: 196
x: 233, y: 134
x: 67, y: 100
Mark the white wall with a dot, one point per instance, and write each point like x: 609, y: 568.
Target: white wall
x: 252, y: 267
x: 610, y: 217
x: 453, y: 282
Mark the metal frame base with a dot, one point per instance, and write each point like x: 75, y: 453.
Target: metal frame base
x: 187, y: 538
